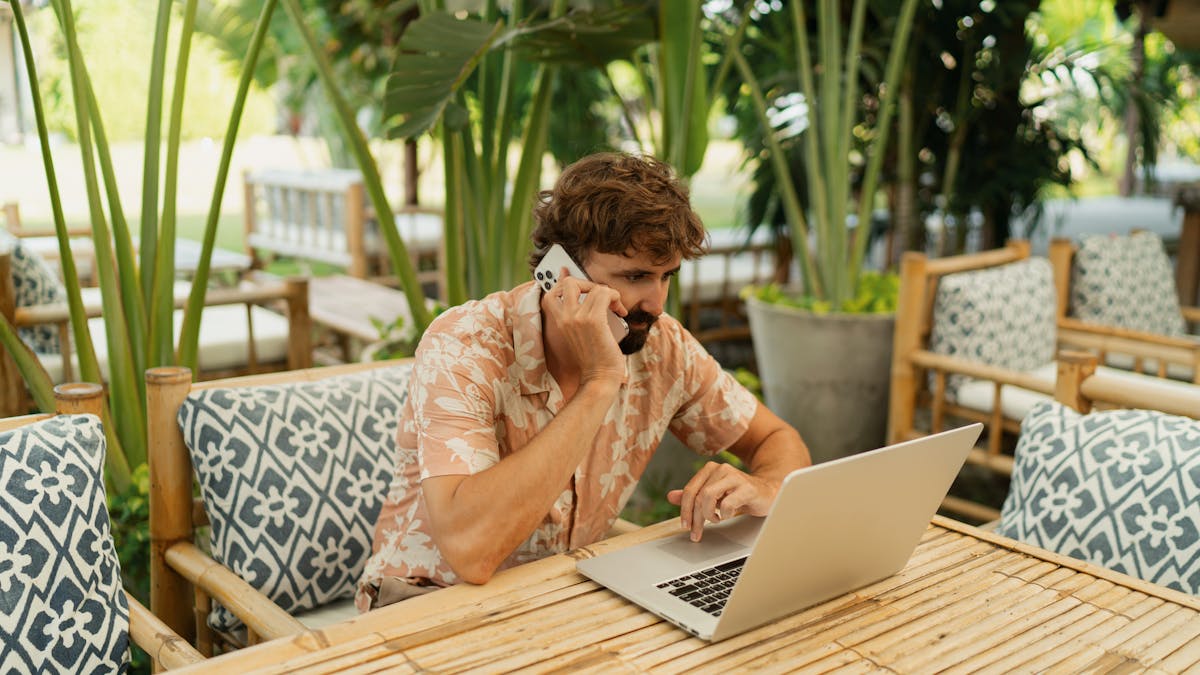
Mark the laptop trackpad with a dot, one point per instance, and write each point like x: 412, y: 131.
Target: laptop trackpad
x: 713, y: 545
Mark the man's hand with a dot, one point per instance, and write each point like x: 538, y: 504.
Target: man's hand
x: 583, y: 326
x: 720, y: 491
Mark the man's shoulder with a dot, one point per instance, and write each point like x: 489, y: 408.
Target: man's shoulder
x: 495, y: 311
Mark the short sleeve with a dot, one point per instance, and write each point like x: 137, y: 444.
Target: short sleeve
x: 454, y: 400
x: 717, y: 409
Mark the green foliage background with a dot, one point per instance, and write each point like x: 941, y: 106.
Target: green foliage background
x: 121, y: 78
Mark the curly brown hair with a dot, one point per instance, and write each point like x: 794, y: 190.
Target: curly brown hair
x: 613, y: 202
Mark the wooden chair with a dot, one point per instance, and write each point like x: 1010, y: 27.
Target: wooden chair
x: 1120, y: 337
x: 997, y: 386
x: 225, y: 413
x: 1106, y: 474
x: 713, y: 310
x: 325, y: 216
x: 239, y: 334
x: 44, y: 243
x: 166, y: 648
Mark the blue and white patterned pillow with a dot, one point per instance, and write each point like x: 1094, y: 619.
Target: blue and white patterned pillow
x: 1000, y: 316
x: 293, y: 477
x: 62, y: 606
x: 1126, y: 282
x: 34, y: 283
x: 1119, y: 489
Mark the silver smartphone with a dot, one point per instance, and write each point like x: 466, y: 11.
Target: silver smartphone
x: 548, y: 271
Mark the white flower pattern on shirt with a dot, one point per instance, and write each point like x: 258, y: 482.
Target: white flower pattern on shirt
x: 480, y: 391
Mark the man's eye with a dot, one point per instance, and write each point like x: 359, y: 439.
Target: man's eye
x: 634, y: 277
x: 670, y: 274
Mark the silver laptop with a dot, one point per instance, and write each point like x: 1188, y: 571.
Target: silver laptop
x: 834, y: 527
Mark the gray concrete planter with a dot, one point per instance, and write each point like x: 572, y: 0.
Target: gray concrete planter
x: 827, y: 375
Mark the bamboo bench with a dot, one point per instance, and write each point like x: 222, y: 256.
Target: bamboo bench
x: 166, y: 649
x: 324, y: 216
x: 1131, y: 346
x: 931, y: 385
x: 710, y: 287
x: 238, y: 333
x: 186, y: 579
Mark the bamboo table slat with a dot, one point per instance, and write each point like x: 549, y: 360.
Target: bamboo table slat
x: 967, y: 601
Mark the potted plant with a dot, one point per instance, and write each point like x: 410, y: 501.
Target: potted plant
x: 824, y: 347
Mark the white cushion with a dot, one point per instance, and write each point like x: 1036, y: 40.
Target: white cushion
x: 223, y: 341
x: 328, y: 614
x: 1016, y: 402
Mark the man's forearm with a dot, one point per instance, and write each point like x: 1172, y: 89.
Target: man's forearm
x: 478, y: 520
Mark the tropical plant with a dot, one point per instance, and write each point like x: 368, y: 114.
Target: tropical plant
x: 844, y: 141
x: 137, y: 292
x: 460, y: 77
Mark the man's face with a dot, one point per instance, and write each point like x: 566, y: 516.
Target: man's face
x: 643, y: 286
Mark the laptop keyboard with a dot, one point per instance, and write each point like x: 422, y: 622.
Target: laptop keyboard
x: 707, y: 589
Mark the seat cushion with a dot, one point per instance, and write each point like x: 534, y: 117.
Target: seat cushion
x: 1000, y: 316
x: 224, y: 340
x: 1127, y: 282
x: 1119, y: 489
x: 293, y: 477
x: 34, y: 283
x: 62, y: 606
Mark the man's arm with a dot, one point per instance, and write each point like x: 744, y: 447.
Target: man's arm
x: 479, y: 520
x: 770, y: 449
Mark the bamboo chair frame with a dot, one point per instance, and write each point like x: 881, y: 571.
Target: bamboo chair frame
x: 912, y: 359
x: 1080, y: 386
x: 184, y: 578
x: 292, y: 293
x: 304, y: 203
x: 165, y: 647
x: 769, y: 263
x: 1143, y: 346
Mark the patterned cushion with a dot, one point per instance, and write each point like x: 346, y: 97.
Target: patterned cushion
x: 1126, y: 282
x: 1119, y: 489
x: 293, y: 477
x: 35, y: 283
x: 1001, y: 316
x: 62, y: 607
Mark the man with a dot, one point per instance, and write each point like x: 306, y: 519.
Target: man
x: 527, y: 425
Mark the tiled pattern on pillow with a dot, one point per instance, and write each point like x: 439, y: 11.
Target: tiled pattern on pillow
x: 1127, y: 282
x: 35, y: 284
x: 1000, y: 316
x: 1119, y: 489
x: 62, y: 606
x: 293, y: 477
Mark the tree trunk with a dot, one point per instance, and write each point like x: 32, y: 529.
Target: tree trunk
x: 1132, y: 117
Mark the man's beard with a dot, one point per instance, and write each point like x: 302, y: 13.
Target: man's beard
x: 636, y: 339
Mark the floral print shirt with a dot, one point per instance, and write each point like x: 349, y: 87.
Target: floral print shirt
x: 480, y: 391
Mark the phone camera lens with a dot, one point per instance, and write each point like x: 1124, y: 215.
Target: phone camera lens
x: 539, y: 276
x: 547, y: 285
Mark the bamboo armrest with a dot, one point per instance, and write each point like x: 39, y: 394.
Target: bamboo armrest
x: 1076, y: 326
x: 958, y: 366
x: 157, y: 639
x: 60, y: 312
x: 1191, y: 314
x: 260, y: 615
x: 1150, y: 394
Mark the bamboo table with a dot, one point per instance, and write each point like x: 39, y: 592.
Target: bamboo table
x: 967, y: 600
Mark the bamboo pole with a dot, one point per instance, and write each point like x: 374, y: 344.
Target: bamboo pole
x: 300, y: 351
x: 170, y: 496
x: 1073, y: 368
x: 906, y: 340
x: 78, y: 398
x: 1062, y: 251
